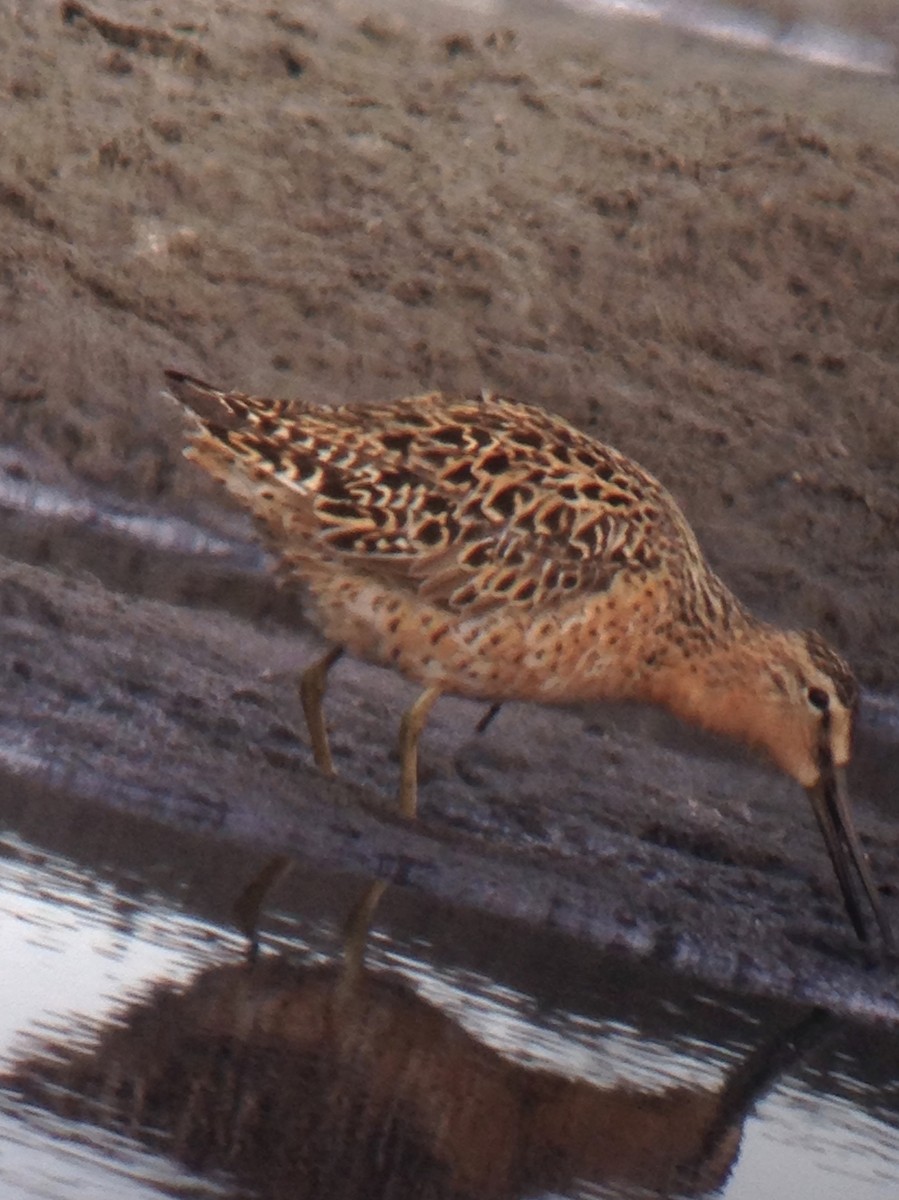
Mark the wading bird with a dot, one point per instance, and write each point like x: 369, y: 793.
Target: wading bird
x: 485, y: 548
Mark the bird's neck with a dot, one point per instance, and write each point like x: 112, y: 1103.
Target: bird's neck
x: 723, y: 681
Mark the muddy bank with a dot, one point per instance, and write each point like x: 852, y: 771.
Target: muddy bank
x: 576, y: 822
x: 689, y: 253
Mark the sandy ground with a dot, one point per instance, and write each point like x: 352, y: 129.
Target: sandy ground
x: 691, y: 253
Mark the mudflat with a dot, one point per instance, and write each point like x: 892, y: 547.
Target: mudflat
x: 689, y: 252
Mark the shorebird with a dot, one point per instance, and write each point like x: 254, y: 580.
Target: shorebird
x: 485, y: 548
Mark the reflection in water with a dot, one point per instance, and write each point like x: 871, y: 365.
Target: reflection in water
x: 342, y: 1081
x: 468, y: 1057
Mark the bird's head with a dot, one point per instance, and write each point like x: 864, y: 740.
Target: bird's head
x: 806, y: 705
x: 793, y: 697
x: 810, y: 737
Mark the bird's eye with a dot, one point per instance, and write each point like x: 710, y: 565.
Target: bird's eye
x: 818, y: 698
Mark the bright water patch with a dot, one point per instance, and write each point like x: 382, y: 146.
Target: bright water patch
x: 807, y: 41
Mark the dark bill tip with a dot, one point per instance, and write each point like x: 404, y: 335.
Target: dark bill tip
x: 830, y: 802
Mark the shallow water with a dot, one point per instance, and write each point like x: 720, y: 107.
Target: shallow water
x: 810, y: 40
x: 144, y: 1055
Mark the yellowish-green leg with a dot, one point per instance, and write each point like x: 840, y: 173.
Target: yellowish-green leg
x: 356, y: 930
x: 313, y: 682
x: 487, y: 718
x: 410, y: 727
x: 247, y: 908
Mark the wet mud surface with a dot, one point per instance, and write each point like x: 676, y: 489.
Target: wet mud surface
x: 691, y: 255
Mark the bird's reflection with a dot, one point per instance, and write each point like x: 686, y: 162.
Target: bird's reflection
x: 342, y: 1081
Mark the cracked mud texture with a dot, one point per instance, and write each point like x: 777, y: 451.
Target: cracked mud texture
x: 690, y: 253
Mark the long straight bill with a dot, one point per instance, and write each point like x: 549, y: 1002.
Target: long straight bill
x: 830, y: 801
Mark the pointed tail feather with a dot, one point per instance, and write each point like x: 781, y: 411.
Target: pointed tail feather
x: 214, y: 408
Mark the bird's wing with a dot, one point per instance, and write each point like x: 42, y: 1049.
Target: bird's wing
x: 470, y: 503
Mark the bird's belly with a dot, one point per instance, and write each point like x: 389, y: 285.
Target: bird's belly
x: 505, y: 654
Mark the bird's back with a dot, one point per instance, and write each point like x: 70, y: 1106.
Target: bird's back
x: 478, y: 542
x: 468, y: 502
